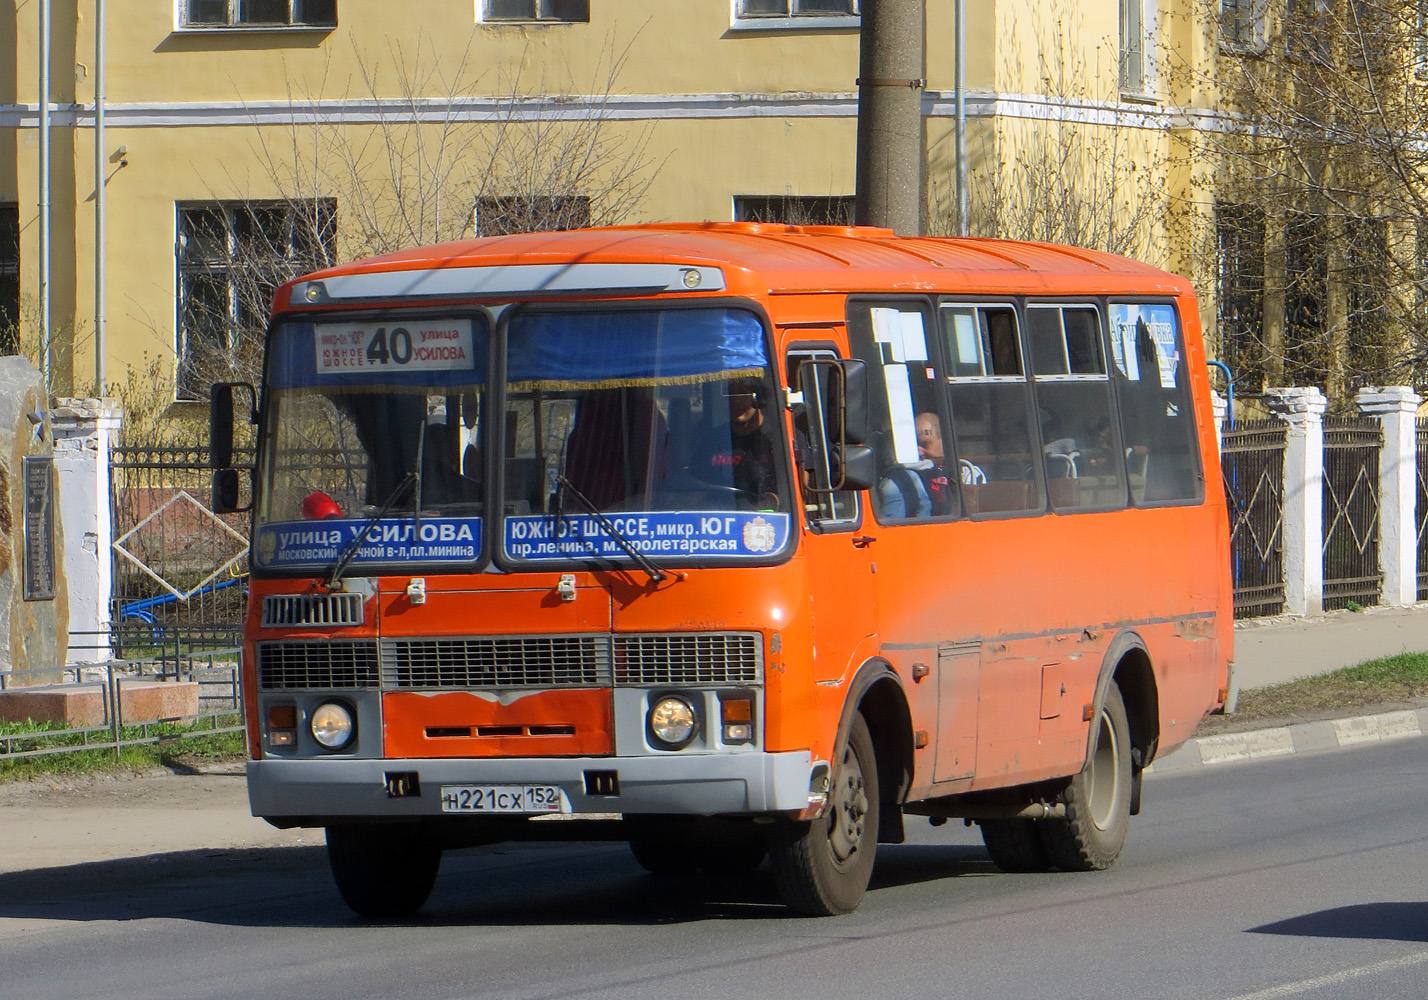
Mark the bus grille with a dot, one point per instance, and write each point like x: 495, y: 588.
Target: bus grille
x: 531, y: 661
x: 290, y: 610
x: 497, y: 662
x: 688, y: 658
x: 303, y: 665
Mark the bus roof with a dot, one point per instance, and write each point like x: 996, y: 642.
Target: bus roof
x: 781, y: 259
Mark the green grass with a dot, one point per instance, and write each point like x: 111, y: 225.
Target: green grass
x: 1375, y: 685
x: 179, y: 744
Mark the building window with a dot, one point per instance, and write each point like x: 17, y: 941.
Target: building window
x: 1135, y: 65
x: 1242, y: 25
x: 9, y: 278
x: 231, y: 256
x: 502, y: 216
x: 1308, y: 29
x: 1239, y: 244
x: 259, y: 13
x: 535, y: 10
x: 799, y: 14
x: 795, y: 210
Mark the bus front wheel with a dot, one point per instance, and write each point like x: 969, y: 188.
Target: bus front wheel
x: 1098, y: 799
x: 822, y: 868
x: 383, y: 871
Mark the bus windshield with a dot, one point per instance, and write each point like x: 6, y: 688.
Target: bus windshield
x: 660, y: 420
x: 650, y: 429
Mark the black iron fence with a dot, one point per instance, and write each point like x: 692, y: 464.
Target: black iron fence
x: 1351, y: 524
x: 179, y: 569
x: 1252, y: 459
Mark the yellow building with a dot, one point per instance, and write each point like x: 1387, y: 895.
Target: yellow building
x: 245, y: 139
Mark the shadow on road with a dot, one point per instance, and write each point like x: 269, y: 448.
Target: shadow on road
x: 506, y: 885
x: 1386, y: 921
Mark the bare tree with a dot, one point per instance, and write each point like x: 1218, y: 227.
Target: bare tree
x: 1078, y: 173
x: 441, y: 160
x: 1321, y: 192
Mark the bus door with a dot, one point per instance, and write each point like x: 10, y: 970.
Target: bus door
x: 838, y: 555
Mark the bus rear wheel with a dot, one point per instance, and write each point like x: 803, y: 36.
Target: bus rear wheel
x: 383, y: 871
x: 1098, y: 799
x: 822, y: 868
x: 1015, y: 845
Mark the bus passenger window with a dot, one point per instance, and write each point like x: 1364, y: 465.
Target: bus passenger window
x: 1157, y: 419
x: 916, y: 470
x: 1081, y: 456
x: 990, y: 403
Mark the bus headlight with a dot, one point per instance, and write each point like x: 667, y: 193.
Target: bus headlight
x: 332, y: 725
x: 672, y: 722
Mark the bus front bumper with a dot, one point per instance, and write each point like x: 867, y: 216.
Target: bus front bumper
x: 310, y: 790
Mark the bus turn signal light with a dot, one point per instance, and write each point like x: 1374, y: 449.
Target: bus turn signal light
x: 282, y: 725
x: 736, y: 715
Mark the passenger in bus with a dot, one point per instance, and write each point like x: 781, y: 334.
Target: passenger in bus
x: 921, y: 488
x: 748, y: 459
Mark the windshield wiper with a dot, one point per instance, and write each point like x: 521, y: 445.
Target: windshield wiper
x: 656, y: 574
x: 350, y: 551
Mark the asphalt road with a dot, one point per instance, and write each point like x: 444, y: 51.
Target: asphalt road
x: 1297, y: 877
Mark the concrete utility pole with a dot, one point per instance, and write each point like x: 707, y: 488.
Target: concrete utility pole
x: 890, y: 84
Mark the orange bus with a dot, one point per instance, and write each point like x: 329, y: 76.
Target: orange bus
x: 732, y: 541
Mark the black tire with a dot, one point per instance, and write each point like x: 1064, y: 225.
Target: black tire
x: 674, y: 856
x: 1015, y: 845
x: 678, y: 856
x: 822, y: 868
x: 1098, y: 799
x: 731, y: 857
x: 383, y: 871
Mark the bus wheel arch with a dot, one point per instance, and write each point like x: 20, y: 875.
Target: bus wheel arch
x: 1127, y: 665
x: 876, y: 694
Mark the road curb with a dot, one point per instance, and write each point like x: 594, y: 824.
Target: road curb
x: 1303, y: 737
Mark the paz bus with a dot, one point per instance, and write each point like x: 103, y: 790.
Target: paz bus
x: 736, y: 542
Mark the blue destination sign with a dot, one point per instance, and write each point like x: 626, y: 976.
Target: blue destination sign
x: 305, y: 543
x: 692, y: 534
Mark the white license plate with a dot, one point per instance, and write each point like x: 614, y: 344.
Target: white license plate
x: 503, y: 799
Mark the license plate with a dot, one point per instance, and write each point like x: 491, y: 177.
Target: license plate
x: 503, y: 799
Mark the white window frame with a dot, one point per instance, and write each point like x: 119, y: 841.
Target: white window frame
x: 481, y: 17
x: 793, y: 21
x: 1255, y: 13
x: 1143, y: 88
x: 181, y: 23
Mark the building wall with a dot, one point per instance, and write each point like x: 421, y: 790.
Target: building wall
x: 724, y: 111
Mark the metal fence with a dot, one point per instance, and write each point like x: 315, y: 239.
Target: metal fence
x: 179, y: 569
x: 1351, y: 525
x: 218, y: 707
x: 1252, y: 459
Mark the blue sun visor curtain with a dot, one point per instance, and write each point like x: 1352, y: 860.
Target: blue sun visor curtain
x: 613, y: 349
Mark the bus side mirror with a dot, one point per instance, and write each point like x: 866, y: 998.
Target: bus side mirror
x: 851, y: 401
x: 220, y: 422
x: 227, y: 492
x: 858, y: 467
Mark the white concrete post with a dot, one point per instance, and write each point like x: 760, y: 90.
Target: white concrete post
x: 84, y: 429
x: 1221, y: 409
x: 1303, y: 525
x: 1396, y: 408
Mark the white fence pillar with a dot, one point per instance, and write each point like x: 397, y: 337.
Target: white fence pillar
x: 1221, y: 409
x: 84, y: 429
x: 1303, y: 525
x: 1396, y: 408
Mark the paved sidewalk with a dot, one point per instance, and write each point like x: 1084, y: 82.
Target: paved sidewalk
x: 1274, y: 650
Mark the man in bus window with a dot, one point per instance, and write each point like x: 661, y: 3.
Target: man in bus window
x: 749, y: 456
x: 922, y: 488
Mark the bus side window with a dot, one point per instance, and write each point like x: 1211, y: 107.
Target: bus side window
x: 917, y: 473
x: 1157, y: 415
x: 991, y: 400
x: 1081, y: 456
x: 812, y: 467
